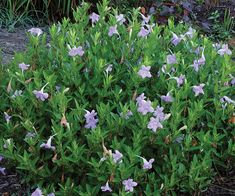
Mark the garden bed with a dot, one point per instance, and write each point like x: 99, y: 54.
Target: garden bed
x: 114, y: 106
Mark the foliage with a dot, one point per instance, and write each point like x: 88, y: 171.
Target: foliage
x: 224, y: 29
x: 14, y: 12
x: 195, y: 137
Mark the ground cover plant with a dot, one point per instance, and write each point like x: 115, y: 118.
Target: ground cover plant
x: 117, y: 106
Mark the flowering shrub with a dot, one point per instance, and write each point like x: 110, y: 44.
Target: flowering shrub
x: 114, y: 106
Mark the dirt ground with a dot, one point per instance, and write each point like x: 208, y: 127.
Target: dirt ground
x: 11, y: 43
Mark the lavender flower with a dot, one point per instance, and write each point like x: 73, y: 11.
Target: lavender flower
x: 7, y: 117
x: 94, y: 17
x: 176, y: 39
x: 23, y: 66
x: 76, y: 51
x: 117, y: 156
x: 179, y: 139
x: 120, y: 19
x: 35, y: 31
x: 198, y: 89
x: 41, y: 95
x: 7, y: 143
x: 198, y: 50
x: 48, y: 144
x: 17, y: 93
x: 106, y: 187
x: 199, y: 62
x: 224, y: 50
x: 167, y: 98
x: 112, y: 30
x: 180, y: 80
x: 145, y: 107
x: 37, y: 192
x: 233, y: 81
x: 140, y: 98
x: 30, y: 135
x: 190, y: 33
x: 145, y: 19
x: 144, y: 72
x: 147, y: 164
x: 1, y: 158
x: 143, y: 32
x: 129, y: 184
x: 3, y: 170
x: 171, y: 59
x: 58, y: 87
x: 109, y: 68
x: 227, y: 99
x: 127, y: 115
x: 216, y: 46
x: 158, y: 113
x: 91, y: 121
x: 51, y: 194
x: 154, y: 124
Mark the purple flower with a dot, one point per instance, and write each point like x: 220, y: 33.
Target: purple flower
x: 7, y: 117
x: 180, y: 80
x: 145, y: 19
x: 167, y: 98
x: 179, y: 139
x: 233, y: 81
x: 7, y: 143
x: 143, y: 32
x: 41, y: 95
x: 164, y: 68
x: 198, y: 89
x: 176, y: 39
x: 147, y: 164
x: 140, y: 98
x: 227, y: 99
x: 106, y: 187
x: 35, y: 31
x: 113, y: 30
x: 109, y: 68
x: 199, y: 62
x: 171, y: 59
x: 154, y: 124
x: 30, y: 135
x: 145, y: 106
x: 190, y: 33
x: 17, y: 93
x: 57, y: 87
x: 224, y: 50
x: 1, y: 158
x: 127, y: 115
x: 120, y: 19
x: 117, y: 156
x: 94, y: 17
x: 37, y: 192
x: 144, y: 72
x: 158, y: 113
x: 3, y: 170
x: 23, y: 66
x: 51, y: 194
x: 216, y: 46
x: 48, y: 144
x: 198, y: 50
x: 76, y: 51
x: 129, y: 184
x: 91, y: 121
